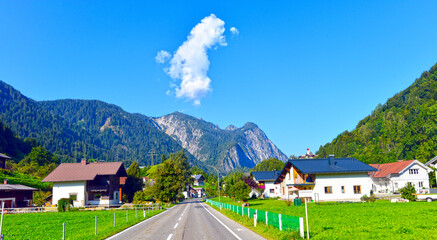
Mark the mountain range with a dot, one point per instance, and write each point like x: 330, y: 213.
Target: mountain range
x: 75, y: 129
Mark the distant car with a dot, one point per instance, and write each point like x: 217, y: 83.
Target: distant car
x: 427, y: 197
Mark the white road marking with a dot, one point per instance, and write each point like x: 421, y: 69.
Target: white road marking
x: 235, y: 235
x: 175, y: 226
x: 140, y: 223
x: 179, y: 218
x: 169, y: 236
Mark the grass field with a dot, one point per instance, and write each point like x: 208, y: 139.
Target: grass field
x: 78, y: 225
x: 379, y: 220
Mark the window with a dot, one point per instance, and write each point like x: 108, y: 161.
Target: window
x: 272, y: 190
x: 420, y: 184
x: 328, y: 189
x: 413, y: 171
x: 357, y: 189
x: 342, y: 189
x: 73, y: 196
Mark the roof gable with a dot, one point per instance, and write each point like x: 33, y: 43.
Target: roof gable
x: 385, y: 169
x: 83, y: 172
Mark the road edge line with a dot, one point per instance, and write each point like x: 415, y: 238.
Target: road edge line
x: 224, y: 225
x: 130, y: 228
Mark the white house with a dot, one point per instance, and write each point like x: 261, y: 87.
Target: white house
x: 266, y: 181
x: 88, y: 184
x: 390, y: 177
x: 327, y: 179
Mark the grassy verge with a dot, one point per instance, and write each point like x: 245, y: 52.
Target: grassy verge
x: 379, y: 220
x: 78, y: 225
x: 269, y: 232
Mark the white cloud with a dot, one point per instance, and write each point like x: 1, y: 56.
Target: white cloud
x: 162, y: 56
x: 189, y: 65
x: 234, y: 31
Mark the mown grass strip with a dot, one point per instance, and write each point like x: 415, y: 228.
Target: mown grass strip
x: 78, y: 225
x: 268, y: 232
x: 379, y: 220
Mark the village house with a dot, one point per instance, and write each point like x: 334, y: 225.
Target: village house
x: 327, y: 179
x: 266, y: 182
x: 390, y: 177
x: 98, y: 183
x: 16, y: 195
x: 199, y: 180
x: 3, y: 158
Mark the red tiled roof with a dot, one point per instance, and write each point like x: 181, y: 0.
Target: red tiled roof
x: 81, y: 172
x: 388, y: 168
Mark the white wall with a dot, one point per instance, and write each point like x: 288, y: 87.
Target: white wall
x: 63, y: 190
x: 271, y: 185
x: 348, y: 180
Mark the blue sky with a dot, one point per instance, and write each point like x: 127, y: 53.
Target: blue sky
x: 304, y: 71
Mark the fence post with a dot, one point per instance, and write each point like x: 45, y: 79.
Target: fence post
x: 248, y: 212
x: 136, y: 214
x: 255, y: 217
x: 127, y: 215
x: 242, y: 211
x: 63, y: 231
x: 302, y: 231
x: 220, y: 206
x: 95, y: 226
x: 148, y: 210
x: 144, y: 213
x: 267, y: 219
x: 280, y: 221
x: 114, y: 219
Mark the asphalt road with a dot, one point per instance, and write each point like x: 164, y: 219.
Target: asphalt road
x: 189, y: 220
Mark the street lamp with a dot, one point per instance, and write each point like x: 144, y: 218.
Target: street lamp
x: 218, y: 180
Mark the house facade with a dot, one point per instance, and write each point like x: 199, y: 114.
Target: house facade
x: 390, y: 177
x: 88, y: 183
x: 326, y: 179
x: 266, y: 181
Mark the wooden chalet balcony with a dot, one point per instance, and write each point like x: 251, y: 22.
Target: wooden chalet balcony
x: 97, y: 188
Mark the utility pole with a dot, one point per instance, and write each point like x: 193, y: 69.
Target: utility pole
x: 218, y: 181
x: 152, y: 154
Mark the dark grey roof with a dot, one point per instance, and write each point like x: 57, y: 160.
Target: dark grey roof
x: 266, y: 175
x: 197, y: 176
x: 16, y: 187
x: 321, y: 165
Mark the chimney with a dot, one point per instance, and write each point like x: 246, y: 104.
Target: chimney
x: 5, y: 181
x: 331, y: 160
x: 83, y: 161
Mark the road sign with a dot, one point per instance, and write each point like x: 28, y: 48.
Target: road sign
x: 305, y: 193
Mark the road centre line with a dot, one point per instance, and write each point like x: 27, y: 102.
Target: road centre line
x: 203, y: 205
x: 175, y: 226
x: 169, y: 236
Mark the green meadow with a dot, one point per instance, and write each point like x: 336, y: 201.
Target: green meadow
x: 78, y: 224
x: 379, y: 220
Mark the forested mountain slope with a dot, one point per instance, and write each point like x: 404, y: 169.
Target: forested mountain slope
x: 405, y: 127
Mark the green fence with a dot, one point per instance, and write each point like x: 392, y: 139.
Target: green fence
x: 280, y: 221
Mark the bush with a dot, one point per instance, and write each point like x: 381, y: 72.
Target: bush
x: 64, y: 204
x: 287, y: 202
x: 408, y: 191
x: 241, y: 191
